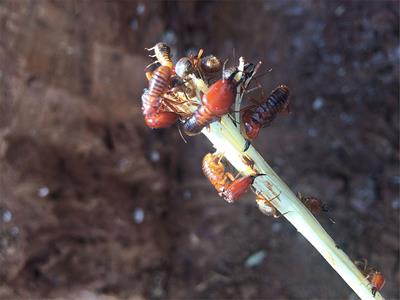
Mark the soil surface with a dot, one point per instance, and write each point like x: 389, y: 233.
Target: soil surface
x: 94, y: 205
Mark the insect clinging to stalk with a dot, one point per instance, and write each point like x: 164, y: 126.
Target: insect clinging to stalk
x: 377, y: 281
x: 163, y: 54
x: 256, y: 117
x: 376, y: 278
x: 214, y: 170
x: 238, y: 187
x: 314, y: 205
x: 216, y: 102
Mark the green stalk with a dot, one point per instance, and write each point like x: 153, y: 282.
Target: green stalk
x: 226, y: 138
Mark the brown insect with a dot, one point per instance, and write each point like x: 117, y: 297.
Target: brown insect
x: 238, y: 188
x: 314, y: 205
x: 214, y: 170
x: 256, y: 117
x: 158, y: 85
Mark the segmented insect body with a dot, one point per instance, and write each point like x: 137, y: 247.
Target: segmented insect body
x: 377, y: 281
x: 262, y: 115
x: 160, y: 119
x: 149, y: 104
x: 214, y: 170
x: 237, y: 188
x: 215, y: 103
x: 163, y: 54
x: 158, y: 85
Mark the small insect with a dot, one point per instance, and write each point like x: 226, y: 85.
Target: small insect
x: 215, y: 103
x: 315, y: 205
x: 163, y: 54
x: 238, y: 188
x: 266, y: 206
x: 214, y: 170
x: 161, y: 119
x: 158, y: 85
x: 376, y: 278
x: 377, y: 281
x: 254, y: 118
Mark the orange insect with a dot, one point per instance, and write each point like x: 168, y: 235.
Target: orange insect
x: 376, y: 278
x: 377, y: 281
x: 214, y: 170
x: 238, y: 187
x: 215, y: 103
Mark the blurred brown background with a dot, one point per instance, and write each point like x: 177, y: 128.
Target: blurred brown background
x: 94, y: 205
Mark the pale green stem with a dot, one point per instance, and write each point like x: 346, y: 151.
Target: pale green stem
x: 226, y: 138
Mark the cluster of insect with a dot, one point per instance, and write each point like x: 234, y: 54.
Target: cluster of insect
x: 193, y: 92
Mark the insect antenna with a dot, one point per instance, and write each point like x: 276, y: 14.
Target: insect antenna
x: 180, y: 133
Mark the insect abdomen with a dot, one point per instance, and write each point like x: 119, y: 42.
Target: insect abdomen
x: 276, y: 102
x: 200, y: 118
x: 160, y: 81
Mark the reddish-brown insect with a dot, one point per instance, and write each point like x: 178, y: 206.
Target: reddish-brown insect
x: 215, y: 103
x: 377, y: 281
x: 376, y: 278
x: 254, y: 118
x: 238, y: 188
x: 160, y: 119
x: 314, y: 205
x: 214, y: 170
x: 158, y: 85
